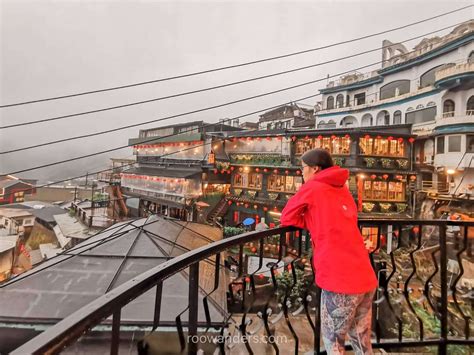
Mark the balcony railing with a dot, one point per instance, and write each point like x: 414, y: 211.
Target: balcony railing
x: 423, y: 298
x: 454, y: 70
x: 440, y: 187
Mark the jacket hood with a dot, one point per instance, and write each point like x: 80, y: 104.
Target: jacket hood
x: 334, y: 176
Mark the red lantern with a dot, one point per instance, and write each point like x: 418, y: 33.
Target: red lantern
x: 229, y: 203
x: 415, y: 230
x: 413, y: 178
x: 265, y: 170
x: 400, y: 140
x: 232, y: 168
x: 246, y: 205
x: 306, y: 137
x: 257, y: 169
x: 320, y: 137
x: 298, y: 172
x: 366, y: 136
x: 265, y: 208
x: 293, y: 138
x: 399, y: 177
x: 249, y: 138
x: 275, y: 171
x: 385, y: 176
x: 280, y: 138
x: 234, y: 139
x: 390, y: 138
x: 347, y: 136
x: 269, y: 138
x: 373, y: 177
x: 261, y: 276
x: 255, y: 206
x: 222, y: 171
x: 411, y: 139
x: 379, y: 137
x: 259, y: 138
x: 215, y: 171
x: 333, y: 137
x: 286, y: 172
x: 247, y: 279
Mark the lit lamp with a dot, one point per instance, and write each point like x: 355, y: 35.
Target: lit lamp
x: 451, y: 173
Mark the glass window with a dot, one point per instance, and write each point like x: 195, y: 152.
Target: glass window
x: 454, y: 143
x: 382, y: 146
x: 419, y: 116
x: 397, y: 117
x: 359, y: 98
x: 383, y: 190
x: 470, y: 106
x: 284, y: 183
x: 440, y: 145
x: 448, y: 108
x: 395, y: 88
x: 339, y: 101
x: 255, y: 180
x: 470, y: 144
x: 428, y: 78
x: 330, y: 103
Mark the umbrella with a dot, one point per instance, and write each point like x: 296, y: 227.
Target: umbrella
x: 202, y: 204
x: 248, y: 221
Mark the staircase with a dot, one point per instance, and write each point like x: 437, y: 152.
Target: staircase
x: 218, y: 211
x: 117, y: 207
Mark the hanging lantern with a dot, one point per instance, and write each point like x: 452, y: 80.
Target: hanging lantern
x: 373, y: 176
x: 222, y: 171
x: 249, y: 138
x: 265, y: 170
x: 246, y: 205
x: 286, y: 172
x: 269, y: 138
x: 265, y: 208
x: 413, y: 178
x: 333, y: 137
x: 298, y: 172
x: 306, y: 137
x: 229, y: 203
x: 347, y: 136
x: 255, y: 206
x: 228, y: 172
x: 215, y: 171
x: 261, y: 276
x: 379, y: 137
x: 293, y: 138
x: 415, y: 230
x: 241, y: 169
x: 320, y: 137
x: 400, y: 140
x: 390, y: 138
x: 367, y: 136
x: 280, y: 138
x: 275, y: 208
x: 411, y: 139
x: 398, y: 177
x: 257, y: 169
x: 232, y: 168
x: 234, y: 139
x: 259, y: 139
x: 385, y: 176
x: 275, y: 171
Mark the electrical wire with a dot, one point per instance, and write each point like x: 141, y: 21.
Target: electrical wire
x: 110, y: 108
x: 236, y: 65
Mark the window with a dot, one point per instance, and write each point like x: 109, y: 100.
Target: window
x: 394, y: 89
x: 339, y: 100
x: 383, y: 190
x: 321, y: 124
x: 27, y: 222
x: 440, y: 145
x: 330, y: 103
x: 366, y: 120
x: 470, y: 106
x: 448, y: 108
x: 470, y: 59
x: 424, y: 115
x: 248, y: 180
x: 284, y: 183
x: 428, y: 78
x: 382, y: 146
x: 349, y: 121
x: 397, y: 117
x: 331, y: 124
x: 359, y: 99
x: 383, y: 118
x: 338, y: 145
x: 454, y: 143
x: 470, y: 144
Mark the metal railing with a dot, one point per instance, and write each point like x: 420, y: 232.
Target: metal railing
x: 441, y: 187
x: 422, y: 300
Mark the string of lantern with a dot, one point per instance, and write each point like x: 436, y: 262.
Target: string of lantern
x: 151, y: 178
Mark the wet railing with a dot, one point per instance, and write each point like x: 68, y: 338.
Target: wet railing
x: 424, y: 300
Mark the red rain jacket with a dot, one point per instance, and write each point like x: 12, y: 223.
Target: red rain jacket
x: 325, y: 207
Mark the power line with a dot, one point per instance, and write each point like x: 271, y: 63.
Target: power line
x: 213, y: 87
x: 236, y: 65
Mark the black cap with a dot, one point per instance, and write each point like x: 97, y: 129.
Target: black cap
x: 318, y: 157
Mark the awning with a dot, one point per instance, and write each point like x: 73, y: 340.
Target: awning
x: 165, y: 172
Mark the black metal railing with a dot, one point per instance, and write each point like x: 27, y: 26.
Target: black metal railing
x: 425, y: 296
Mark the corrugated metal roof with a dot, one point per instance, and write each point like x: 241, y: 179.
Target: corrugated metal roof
x: 165, y: 172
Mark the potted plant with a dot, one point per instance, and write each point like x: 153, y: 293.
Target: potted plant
x: 401, y: 207
x: 387, y: 163
x: 368, y: 207
x: 402, y: 163
x: 385, y: 206
x: 370, y: 162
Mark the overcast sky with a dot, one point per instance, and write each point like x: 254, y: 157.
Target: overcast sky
x: 51, y: 48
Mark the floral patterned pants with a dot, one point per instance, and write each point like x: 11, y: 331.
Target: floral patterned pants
x: 342, y: 315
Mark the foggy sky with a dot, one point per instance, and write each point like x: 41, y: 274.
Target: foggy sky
x: 51, y: 48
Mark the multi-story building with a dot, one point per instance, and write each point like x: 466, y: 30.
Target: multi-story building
x: 176, y: 167
x: 431, y: 88
x: 13, y: 189
x: 265, y: 169
x: 287, y: 116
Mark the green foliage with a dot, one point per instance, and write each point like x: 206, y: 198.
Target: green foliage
x: 285, y: 282
x: 231, y: 231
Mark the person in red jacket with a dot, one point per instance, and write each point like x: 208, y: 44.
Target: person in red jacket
x: 324, y: 206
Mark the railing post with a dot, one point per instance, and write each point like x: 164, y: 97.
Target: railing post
x: 442, y: 350
x: 156, y: 317
x: 115, y: 333
x: 193, y: 307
